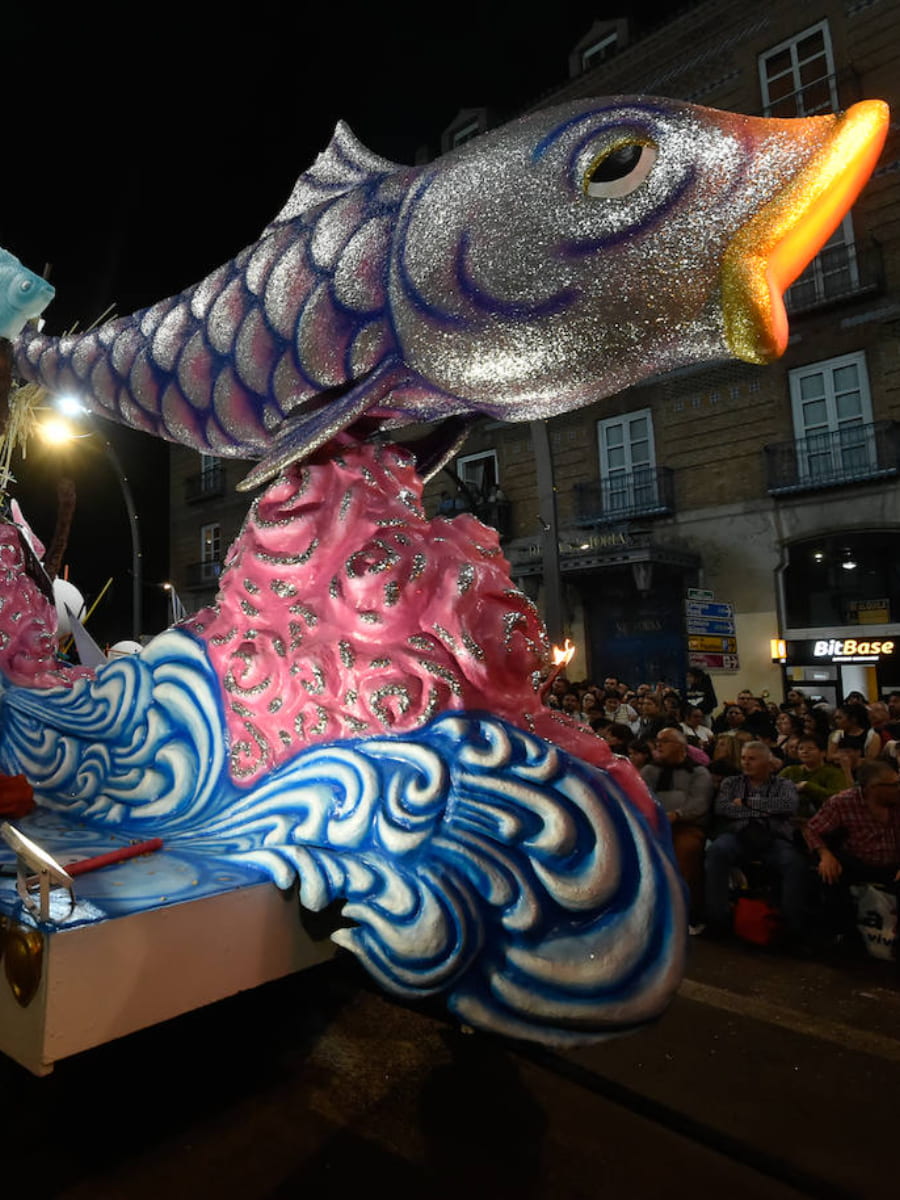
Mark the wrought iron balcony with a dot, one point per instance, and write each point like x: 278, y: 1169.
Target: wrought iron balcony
x: 206, y: 486
x: 203, y: 574
x: 837, y: 273
x: 853, y: 454
x: 641, y: 493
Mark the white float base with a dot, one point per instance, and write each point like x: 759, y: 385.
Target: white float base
x: 101, y: 981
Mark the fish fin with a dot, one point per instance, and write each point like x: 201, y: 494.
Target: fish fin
x: 434, y: 450
x: 304, y: 433
x: 344, y: 164
x: 89, y: 653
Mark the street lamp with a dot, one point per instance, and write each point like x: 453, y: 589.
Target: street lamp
x: 58, y: 431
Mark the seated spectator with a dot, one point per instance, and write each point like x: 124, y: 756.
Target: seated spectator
x: 685, y: 791
x: 728, y: 747
x: 880, y: 719
x: 856, y: 835
x: 815, y: 779
x: 651, y: 718
x: 570, y: 706
x: 893, y: 703
x: 618, y: 736
x: 695, y: 729
x: 854, y: 730
x: 640, y: 752
x: 754, y: 814
x: 735, y: 719
x: 787, y: 724
x: 815, y: 721
x: 617, y: 710
x: 589, y: 706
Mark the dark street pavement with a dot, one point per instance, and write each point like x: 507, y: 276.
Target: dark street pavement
x: 769, y: 1077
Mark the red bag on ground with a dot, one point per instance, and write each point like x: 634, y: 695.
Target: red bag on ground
x: 756, y: 921
x: 16, y: 796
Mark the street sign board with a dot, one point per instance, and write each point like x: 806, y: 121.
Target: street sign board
x: 713, y: 645
x: 701, y: 610
x: 712, y: 626
x: 700, y: 594
x: 714, y: 662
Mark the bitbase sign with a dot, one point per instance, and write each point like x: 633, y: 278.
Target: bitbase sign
x: 851, y: 649
x: 838, y: 650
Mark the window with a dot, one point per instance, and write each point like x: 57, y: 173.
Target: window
x: 796, y: 77
x: 479, y: 473
x: 210, y: 471
x: 210, y: 551
x: 628, y: 462
x: 599, y: 51
x: 831, y: 274
x: 466, y: 132
x: 832, y: 413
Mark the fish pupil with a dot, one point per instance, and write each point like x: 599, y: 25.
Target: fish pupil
x: 617, y: 164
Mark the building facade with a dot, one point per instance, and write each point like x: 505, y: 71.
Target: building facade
x: 773, y: 488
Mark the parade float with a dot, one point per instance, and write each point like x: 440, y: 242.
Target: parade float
x: 359, y: 715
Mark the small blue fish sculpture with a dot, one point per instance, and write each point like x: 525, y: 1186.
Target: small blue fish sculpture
x: 536, y: 269
x: 23, y: 295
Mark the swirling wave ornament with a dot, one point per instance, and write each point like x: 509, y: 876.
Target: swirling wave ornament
x: 474, y: 859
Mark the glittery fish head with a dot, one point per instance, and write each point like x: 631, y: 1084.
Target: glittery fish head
x: 583, y: 248
x: 23, y: 295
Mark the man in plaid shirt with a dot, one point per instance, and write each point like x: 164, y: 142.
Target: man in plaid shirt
x: 857, y: 832
x: 756, y: 795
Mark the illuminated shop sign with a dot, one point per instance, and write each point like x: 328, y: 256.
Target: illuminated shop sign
x: 851, y: 649
x: 836, y: 650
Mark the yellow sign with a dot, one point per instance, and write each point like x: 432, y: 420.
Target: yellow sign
x: 713, y: 645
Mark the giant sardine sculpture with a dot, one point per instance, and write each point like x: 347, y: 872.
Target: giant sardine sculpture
x: 537, y: 269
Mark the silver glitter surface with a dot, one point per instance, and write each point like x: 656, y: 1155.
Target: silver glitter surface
x: 306, y: 613
x: 369, y: 617
x: 231, y: 685
x: 321, y: 721
x: 275, y: 704
x: 241, y: 709
x: 356, y: 725
x: 348, y: 658
x: 345, y: 504
x: 282, y: 589
x: 380, y: 663
x: 299, y: 721
x: 248, y: 609
x: 445, y: 635
x: 315, y: 686
x: 351, y: 696
x: 296, y: 632
x: 464, y: 578
x: 442, y: 672
x: 511, y: 621
x: 285, y: 737
x: 279, y: 647
x: 472, y: 646
x: 334, y: 588
x: 391, y: 593
x: 251, y: 587
x: 431, y: 707
x: 381, y: 694
x: 418, y: 566
x: 420, y: 642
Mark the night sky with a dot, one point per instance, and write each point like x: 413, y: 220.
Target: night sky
x: 144, y: 151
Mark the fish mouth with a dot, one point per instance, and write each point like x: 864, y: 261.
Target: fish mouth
x: 776, y: 245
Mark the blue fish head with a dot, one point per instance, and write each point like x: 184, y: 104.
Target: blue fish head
x: 23, y: 295
x: 581, y: 249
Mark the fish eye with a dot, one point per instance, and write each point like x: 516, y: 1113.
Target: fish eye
x: 25, y: 286
x: 617, y: 172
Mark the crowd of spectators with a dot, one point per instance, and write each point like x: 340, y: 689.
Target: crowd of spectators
x: 806, y: 796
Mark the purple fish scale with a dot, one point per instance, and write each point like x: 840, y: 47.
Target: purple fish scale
x: 219, y: 365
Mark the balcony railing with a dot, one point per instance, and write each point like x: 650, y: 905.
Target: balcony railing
x: 837, y: 273
x: 205, y: 486
x: 853, y: 454
x: 641, y: 493
x: 203, y: 574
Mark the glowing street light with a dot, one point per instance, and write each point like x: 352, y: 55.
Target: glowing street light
x: 56, y: 429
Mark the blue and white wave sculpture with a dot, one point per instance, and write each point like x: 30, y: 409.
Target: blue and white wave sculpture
x: 475, y: 859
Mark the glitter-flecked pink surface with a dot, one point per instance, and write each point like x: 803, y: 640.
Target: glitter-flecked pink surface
x: 28, y: 624
x: 344, y: 612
